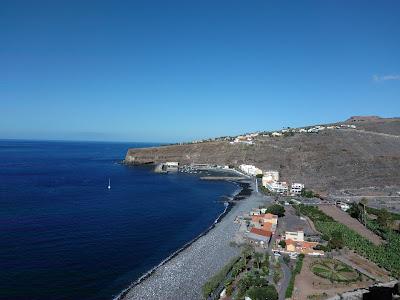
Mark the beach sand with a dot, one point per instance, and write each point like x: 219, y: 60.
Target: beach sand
x: 182, y: 276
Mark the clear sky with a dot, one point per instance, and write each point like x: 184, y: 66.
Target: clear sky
x: 179, y: 70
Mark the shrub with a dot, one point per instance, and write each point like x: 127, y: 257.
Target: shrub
x: 212, y: 283
x: 286, y: 259
x: 261, y: 293
x: 307, y: 193
x: 297, y: 270
x: 276, y: 209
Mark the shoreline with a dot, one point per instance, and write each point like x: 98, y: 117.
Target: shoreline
x: 241, y: 194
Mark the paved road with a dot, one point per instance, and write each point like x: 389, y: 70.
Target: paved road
x: 285, y: 280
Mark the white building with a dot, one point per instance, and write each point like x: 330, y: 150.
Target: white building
x: 297, y: 236
x: 296, y: 188
x: 276, y: 133
x: 172, y: 164
x: 270, y: 176
x: 243, y: 139
x: 250, y: 170
x: 277, y: 187
x: 344, y: 207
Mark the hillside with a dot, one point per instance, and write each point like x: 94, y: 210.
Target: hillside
x: 368, y: 156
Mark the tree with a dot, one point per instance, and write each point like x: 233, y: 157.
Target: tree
x: 286, y: 259
x: 259, y: 175
x: 246, y: 252
x: 276, y: 209
x: 364, y: 202
x: 277, y: 276
x: 258, y: 258
x: 282, y: 243
x: 384, y: 218
x: 266, y: 259
x: 306, y: 193
x: 355, y: 211
x: 297, y: 210
x: 336, y: 241
x: 261, y: 293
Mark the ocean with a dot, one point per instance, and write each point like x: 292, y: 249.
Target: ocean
x: 64, y: 235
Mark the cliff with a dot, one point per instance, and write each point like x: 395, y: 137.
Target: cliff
x: 330, y: 160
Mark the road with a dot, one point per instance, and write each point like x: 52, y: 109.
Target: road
x: 285, y: 279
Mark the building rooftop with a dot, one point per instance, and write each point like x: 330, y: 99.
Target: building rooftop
x: 261, y: 232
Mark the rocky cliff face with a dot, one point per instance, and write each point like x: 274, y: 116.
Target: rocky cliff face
x: 329, y: 160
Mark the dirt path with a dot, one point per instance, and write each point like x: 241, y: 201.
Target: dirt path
x: 352, y: 223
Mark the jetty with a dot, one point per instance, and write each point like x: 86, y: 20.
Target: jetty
x: 235, y: 178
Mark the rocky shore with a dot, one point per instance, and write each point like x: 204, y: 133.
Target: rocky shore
x: 183, y: 275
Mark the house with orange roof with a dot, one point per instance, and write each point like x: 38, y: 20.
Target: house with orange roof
x: 264, y: 226
x: 262, y: 220
x: 302, y: 247
x: 259, y: 235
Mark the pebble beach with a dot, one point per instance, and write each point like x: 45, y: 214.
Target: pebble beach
x: 182, y: 276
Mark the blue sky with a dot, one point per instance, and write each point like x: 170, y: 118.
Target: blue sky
x: 180, y: 70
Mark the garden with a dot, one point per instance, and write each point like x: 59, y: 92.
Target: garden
x: 386, y: 255
x: 334, y: 270
x: 245, y: 275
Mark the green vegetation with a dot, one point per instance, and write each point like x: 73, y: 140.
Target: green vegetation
x: 282, y: 243
x: 336, y: 240
x: 238, y: 281
x: 307, y: 193
x: 213, y: 283
x: 286, y: 259
x: 261, y: 293
x: 259, y: 175
x: 255, y: 284
x: 276, y: 209
x: 297, y: 270
x: 277, y: 275
x: 385, y: 255
x: 258, y: 257
x: 355, y: 211
x: 317, y: 296
x: 334, y: 270
x: 264, y: 190
x: 384, y: 218
x: 375, y: 211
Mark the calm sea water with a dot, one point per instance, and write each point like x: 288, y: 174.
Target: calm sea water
x: 64, y: 235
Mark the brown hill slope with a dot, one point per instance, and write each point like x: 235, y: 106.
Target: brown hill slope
x: 327, y: 161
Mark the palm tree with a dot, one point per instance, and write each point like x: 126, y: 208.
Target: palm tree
x: 364, y: 202
x: 258, y: 258
x: 246, y: 252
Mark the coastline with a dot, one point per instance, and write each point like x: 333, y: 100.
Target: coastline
x: 228, y: 207
x: 181, y: 275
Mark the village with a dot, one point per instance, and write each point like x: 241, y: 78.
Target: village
x: 289, y: 234
x: 250, y: 138
x: 283, y: 233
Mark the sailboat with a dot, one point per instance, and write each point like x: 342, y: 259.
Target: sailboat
x: 109, y: 184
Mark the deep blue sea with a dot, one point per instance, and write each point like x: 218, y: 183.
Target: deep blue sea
x: 64, y: 235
